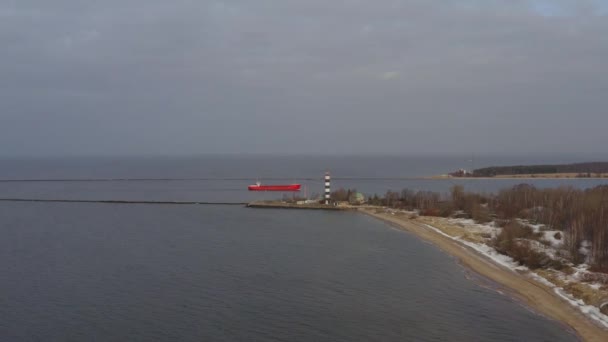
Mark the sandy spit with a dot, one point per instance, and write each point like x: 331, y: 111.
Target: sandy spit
x: 536, y: 295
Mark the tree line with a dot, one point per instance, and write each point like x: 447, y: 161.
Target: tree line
x: 579, y: 168
x: 582, y: 215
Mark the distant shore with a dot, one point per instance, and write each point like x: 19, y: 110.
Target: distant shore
x: 533, y: 293
x: 527, y: 176
x: 578, y: 170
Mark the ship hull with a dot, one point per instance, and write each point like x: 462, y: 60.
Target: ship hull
x: 289, y: 187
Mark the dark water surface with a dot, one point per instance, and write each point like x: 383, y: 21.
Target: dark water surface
x: 102, y: 272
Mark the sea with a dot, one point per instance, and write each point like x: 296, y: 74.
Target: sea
x: 166, y: 272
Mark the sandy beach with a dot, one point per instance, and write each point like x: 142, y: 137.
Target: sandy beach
x: 536, y: 295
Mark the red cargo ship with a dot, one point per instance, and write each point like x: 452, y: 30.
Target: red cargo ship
x: 259, y: 187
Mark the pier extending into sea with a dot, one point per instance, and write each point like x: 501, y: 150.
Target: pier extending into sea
x: 286, y: 205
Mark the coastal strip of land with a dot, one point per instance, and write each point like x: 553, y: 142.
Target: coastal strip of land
x: 533, y: 293
x: 286, y: 205
x: 527, y: 176
x: 595, y: 170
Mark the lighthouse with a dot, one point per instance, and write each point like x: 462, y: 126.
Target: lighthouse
x: 327, y: 187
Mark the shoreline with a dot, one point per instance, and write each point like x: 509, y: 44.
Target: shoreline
x: 510, y: 178
x: 530, y: 176
x: 532, y: 293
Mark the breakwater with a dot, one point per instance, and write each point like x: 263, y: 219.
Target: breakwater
x: 285, y: 205
x: 117, y: 201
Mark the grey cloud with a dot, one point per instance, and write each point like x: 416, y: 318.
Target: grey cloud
x: 183, y: 77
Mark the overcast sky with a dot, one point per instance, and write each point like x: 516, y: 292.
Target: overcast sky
x: 128, y: 77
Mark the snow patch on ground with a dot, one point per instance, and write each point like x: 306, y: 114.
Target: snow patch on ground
x: 462, y: 221
x: 549, y: 251
x: 579, y: 270
x: 486, y: 250
x: 549, y: 235
x: 590, y: 311
x: 402, y: 211
x: 438, y: 231
x: 498, y: 258
x: 578, y: 276
x: 595, y: 286
x: 535, y: 227
x: 541, y: 279
x: 472, y: 226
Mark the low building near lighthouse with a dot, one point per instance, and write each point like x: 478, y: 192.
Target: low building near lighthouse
x: 356, y: 198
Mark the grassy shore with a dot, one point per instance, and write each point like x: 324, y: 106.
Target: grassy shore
x: 532, y: 292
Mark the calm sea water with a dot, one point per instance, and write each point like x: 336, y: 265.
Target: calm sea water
x: 74, y: 272
x: 102, y: 272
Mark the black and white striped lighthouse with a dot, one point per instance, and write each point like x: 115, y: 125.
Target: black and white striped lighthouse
x: 327, y: 187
